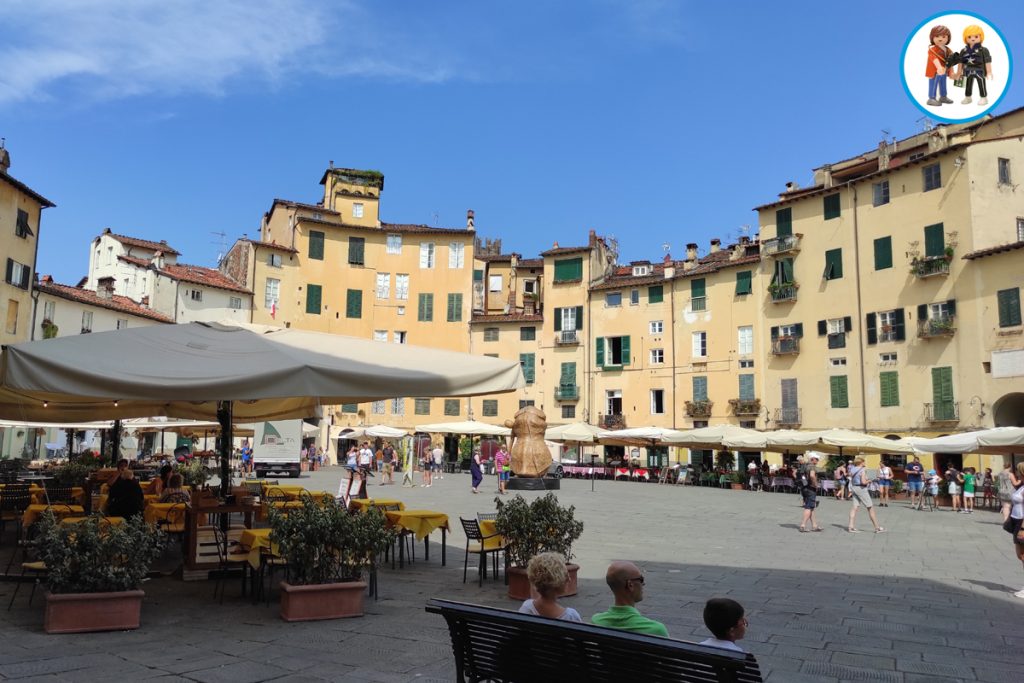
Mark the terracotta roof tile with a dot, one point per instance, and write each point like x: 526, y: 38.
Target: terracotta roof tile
x: 27, y: 190
x: 426, y: 229
x: 303, y: 205
x: 202, y: 276
x: 998, y: 249
x: 273, y: 245
x: 564, y: 250
x: 143, y: 244
x: 141, y: 262
x: 508, y: 318
x: 117, y: 303
x: 531, y: 263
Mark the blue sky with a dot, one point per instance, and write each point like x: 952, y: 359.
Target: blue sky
x: 649, y: 120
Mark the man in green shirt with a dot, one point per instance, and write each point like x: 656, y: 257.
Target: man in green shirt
x: 627, y: 584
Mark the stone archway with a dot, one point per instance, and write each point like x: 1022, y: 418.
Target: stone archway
x: 1008, y: 411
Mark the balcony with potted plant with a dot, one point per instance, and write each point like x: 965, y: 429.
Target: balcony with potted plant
x: 699, y: 409
x: 786, y: 346
x: 782, y: 292
x: 567, y: 392
x: 786, y: 244
x: 942, y: 326
x: 742, y: 406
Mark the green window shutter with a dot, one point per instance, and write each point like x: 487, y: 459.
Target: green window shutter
x: 831, y: 206
x: 313, y: 293
x: 1009, y: 307
x: 625, y: 351
x: 746, y: 387
x: 784, y: 222
x: 356, y: 250
x: 478, y: 276
x: 883, y: 253
x: 934, y: 240
x: 700, y: 388
x: 527, y: 361
x: 786, y: 266
x: 422, y: 406
x: 451, y: 406
x: 698, y: 287
x: 890, y: 388
x: 425, y: 312
x: 354, y: 303
x: 527, y: 333
x: 568, y: 269
x: 899, y: 326
x: 655, y: 294
x: 599, y: 352
x: 490, y: 407
x: 454, y: 308
x: 579, y: 317
x: 744, y: 282
x: 558, y: 320
x: 568, y: 374
x: 316, y: 245
x: 833, y: 264
x: 350, y: 407
x: 871, y: 325
x: 942, y: 393
x: 837, y: 389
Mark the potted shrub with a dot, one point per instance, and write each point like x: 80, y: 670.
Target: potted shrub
x: 533, y: 528
x: 95, y: 571
x: 737, y: 481
x: 194, y: 473
x: 74, y: 473
x: 327, y: 551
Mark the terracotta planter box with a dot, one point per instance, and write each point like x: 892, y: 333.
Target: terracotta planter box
x: 736, y: 487
x: 322, y: 601
x: 87, y: 612
x: 519, y: 587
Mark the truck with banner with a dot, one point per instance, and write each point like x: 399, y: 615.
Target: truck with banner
x: 277, y: 447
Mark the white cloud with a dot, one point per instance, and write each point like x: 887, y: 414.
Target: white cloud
x: 108, y: 49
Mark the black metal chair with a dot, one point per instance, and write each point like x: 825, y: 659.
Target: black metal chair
x: 476, y: 544
x: 403, y: 536
x: 13, y: 504
x: 59, y: 494
x: 230, y: 555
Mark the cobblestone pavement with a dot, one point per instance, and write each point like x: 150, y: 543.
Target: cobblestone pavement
x: 930, y: 600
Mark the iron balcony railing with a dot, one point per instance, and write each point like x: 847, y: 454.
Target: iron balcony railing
x: 931, y: 265
x: 943, y: 326
x: 785, y: 346
x: 567, y: 392
x: 699, y: 408
x: 945, y: 411
x: 744, y: 406
x: 781, y: 245
x: 613, y: 422
x: 784, y: 292
x: 787, y: 417
x: 567, y: 337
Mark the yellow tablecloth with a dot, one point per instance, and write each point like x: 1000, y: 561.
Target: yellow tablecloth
x: 253, y: 540
x: 158, y: 512
x: 487, y: 528
x: 39, y: 495
x: 113, y: 521
x: 419, y: 522
x: 33, y: 512
x: 364, y: 503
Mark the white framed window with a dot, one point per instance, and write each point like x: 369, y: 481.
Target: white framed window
x: 380, y: 335
x: 657, y: 356
x: 427, y: 255
x: 888, y: 358
x: 493, y: 283
x: 835, y: 326
x: 529, y: 286
x: 394, y: 243
x: 400, y: 336
x: 49, y: 310
x: 657, y: 401
x: 787, y: 330
x: 747, y: 363
x: 938, y: 311
x: 641, y: 270
x: 86, y: 322
x: 357, y: 209
x: 657, y: 326
x: 612, y: 299
x: 398, y: 406
x: 122, y: 323
x: 456, y: 255
x: 613, y: 401
x: 274, y: 260
x: 271, y: 292
x: 196, y: 295
x: 1004, y: 171
x: 634, y: 297
x: 20, y: 274
x: 383, y: 285
x: 887, y: 326
x: 401, y: 287
x: 568, y: 319
x: 700, y: 344
x: 837, y: 362
x: 401, y: 310
x: 235, y: 302
x: 745, y: 340
x: 377, y: 407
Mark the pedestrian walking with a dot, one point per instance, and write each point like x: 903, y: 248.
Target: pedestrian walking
x: 859, y: 491
x: 475, y: 472
x: 842, y: 481
x: 1004, y: 489
x: 953, y: 482
x: 988, y: 491
x: 352, y: 458
x: 752, y: 475
x: 426, y: 467
x: 968, y: 479
x: 438, y: 461
x: 1015, y: 523
x: 915, y: 484
x: 807, y: 480
x: 501, y: 466
x: 884, y: 484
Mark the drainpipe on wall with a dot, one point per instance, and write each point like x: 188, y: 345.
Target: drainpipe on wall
x: 860, y: 312
x: 32, y: 291
x: 35, y: 305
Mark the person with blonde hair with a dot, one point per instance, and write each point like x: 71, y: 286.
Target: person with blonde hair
x: 859, y: 491
x: 1015, y: 521
x: 974, y: 64
x: 548, y: 576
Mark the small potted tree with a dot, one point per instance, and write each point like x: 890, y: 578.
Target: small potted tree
x: 95, y: 572
x: 327, y: 551
x: 533, y: 528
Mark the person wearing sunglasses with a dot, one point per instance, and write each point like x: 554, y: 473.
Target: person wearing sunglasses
x: 627, y: 584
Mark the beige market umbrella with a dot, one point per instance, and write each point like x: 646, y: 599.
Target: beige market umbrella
x: 374, y: 432
x: 994, y: 441
x: 716, y: 436
x: 846, y: 440
x: 469, y: 428
x: 576, y: 432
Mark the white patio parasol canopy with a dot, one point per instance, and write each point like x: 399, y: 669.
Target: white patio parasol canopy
x: 374, y: 432
x: 577, y: 432
x: 267, y: 372
x: 716, y: 436
x: 651, y: 434
x: 994, y: 441
x: 469, y: 428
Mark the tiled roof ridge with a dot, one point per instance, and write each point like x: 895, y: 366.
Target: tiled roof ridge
x: 144, y: 243
x: 202, y: 275
x: 117, y: 302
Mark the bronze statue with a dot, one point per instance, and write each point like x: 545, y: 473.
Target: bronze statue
x: 530, y: 455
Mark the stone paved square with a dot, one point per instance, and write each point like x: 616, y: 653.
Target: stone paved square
x: 930, y: 600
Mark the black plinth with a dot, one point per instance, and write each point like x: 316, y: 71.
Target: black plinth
x: 534, y: 484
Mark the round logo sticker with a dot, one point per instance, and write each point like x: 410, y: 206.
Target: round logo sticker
x: 956, y: 66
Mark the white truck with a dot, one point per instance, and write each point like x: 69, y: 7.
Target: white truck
x: 277, y: 447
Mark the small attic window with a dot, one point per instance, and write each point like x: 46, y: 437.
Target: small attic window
x: 641, y: 270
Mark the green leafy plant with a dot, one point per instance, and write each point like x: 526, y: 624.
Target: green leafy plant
x: 323, y: 543
x: 75, y: 473
x: 897, y: 487
x: 95, y: 557
x: 194, y: 473
x: 834, y: 462
x: 725, y: 461
x: 533, y: 528
x: 738, y: 477
x: 50, y: 329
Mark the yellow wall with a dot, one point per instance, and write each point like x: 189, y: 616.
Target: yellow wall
x: 15, y: 302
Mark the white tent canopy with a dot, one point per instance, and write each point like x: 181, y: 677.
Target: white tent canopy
x: 577, y: 432
x: 267, y: 372
x: 373, y: 432
x: 711, y: 437
x: 652, y: 434
x: 826, y: 441
x: 469, y: 427
x: 994, y: 441
x: 78, y: 427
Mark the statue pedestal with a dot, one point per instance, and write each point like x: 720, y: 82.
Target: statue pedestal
x: 534, y: 484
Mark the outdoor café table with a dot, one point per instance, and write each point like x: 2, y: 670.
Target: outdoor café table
x: 192, y: 515
x: 366, y: 503
x: 33, y: 512
x: 158, y: 512
x: 253, y: 540
x: 421, y: 523
x: 488, y: 527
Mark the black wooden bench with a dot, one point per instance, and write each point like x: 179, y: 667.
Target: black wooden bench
x: 503, y: 646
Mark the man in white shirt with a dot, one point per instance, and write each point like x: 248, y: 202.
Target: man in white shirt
x: 724, y: 618
x: 365, y: 459
x: 438, y: 455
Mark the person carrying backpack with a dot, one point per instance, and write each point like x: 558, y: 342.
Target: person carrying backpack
x: 807, y: 480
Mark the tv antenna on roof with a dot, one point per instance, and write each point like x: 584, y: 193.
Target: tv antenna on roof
x: 222, y: 243
x: 926, y: 123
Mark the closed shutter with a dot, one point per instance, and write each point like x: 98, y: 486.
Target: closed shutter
x: 455, y: 308
x: 579, y: 317
x: 890, y: 388
x: 568, y: 270
x: 942, y: 393
x: 1009, y: 307
x: 527, y: 361
x: 744, y: 282
x: 313, y: 299
x: 934, y: 241
x: 350, y: 407
x: 698, y: 287
x: 922, y: 311
x: 558, y: 320
x: 883, y: 253
x: 775, y: 332
x: 822, y: 328
x: 625, y: 351
x: 10, y: 271
x: 422, y: 406
x: 478, y: 276
x: 831, y: 206
x: 655, y: 294
x: 847, y: 323
x: 746, y: 387
x: 426, y: 308
x: 451, y: 406
x: 568, y: 374
x: 356, y: 249
x: 789, y: 394
x: 425, y: 249
x: 354, y: 303
x: 951, y: 306
x: 870, y: 325
x: 784, y: 222
x: 899, y: 326
x: 316, y: 245
x: 838, y: 391
x: 798, y: 330
x: 490, y: 407
x: 599, y: 352
x: 700, y: 388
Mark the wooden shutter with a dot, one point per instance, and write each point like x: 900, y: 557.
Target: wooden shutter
x: 744, y: 282
x: 883, y: 253
x: 871, y: 328
x: 558, y: 320
x: 775, y: 332
x: 890, y: 388
x: 599, y: 353
x: 831, y: 206
x: 838, y: 391
x: 942, y: 393
x: 951, y: 306
x: 655, y: 294
x: 356, y: 250
x: 568, y: 374
x: 579, y: 317
x: 899, y: 326
x: 746, y: 387
x: 789, y: 393
x: 700, y: 388
x: 934, y: 241
x: 426, y: 308
x: 787, y: 271
x: 313, y: 299
x: 833, y: 264
x: 922, y: 311
x: 784, y: 222
x: 568, y: 270
x: 455, y: 307
x: 625, y: 350
x: 1009, y: 307
x: 10, y: 271
x: 527, y: 361
x: 316, y: 245
x: 698, y: 287
x: 354, y: 303
x: 822, y: 328
x: 798, y: 330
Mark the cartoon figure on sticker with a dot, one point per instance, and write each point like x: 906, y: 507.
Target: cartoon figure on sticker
x: 937, y: 69
x: 974, y: 64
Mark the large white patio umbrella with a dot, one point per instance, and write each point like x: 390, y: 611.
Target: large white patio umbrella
x: 715, y: 436
x: 994, y: 441
x: 468, y: 427
x: 374, y: 432
x: 653, y: 435
x: 576, y: 432
x: 840, y: 440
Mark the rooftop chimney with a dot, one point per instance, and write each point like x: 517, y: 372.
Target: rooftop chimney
x: 470, y: 220
x: 716, y: 244
x: 792, y: 187
x: 48, y: 279
x: 592, y: 239
x: 5, y: 158
x: 691, y: 251
x: 744, y: 240
x: 105, y: 288
x: 670, y: 268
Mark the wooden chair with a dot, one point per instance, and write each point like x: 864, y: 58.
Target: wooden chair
x: 476, y: 544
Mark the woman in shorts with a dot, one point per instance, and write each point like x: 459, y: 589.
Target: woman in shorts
x: 884, y: 483
x: 1016, y: 519
x: 953, y: 479
x: 967, y: 477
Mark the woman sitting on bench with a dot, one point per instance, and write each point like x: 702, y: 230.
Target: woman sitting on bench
x: 548, y: 577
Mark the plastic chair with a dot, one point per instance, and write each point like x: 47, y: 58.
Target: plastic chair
x: 476, y: 544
